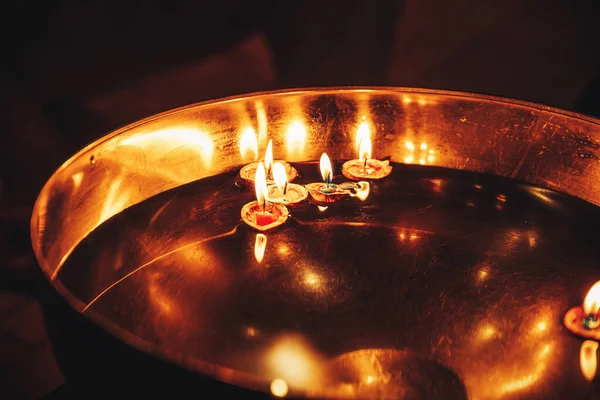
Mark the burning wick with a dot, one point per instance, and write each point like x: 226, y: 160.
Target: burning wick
x: 260, y: 214
x: 248, y: 172
x: 585, y: 320
x: 327, y: 193
x: 365, y: 167
x: 288, y: 194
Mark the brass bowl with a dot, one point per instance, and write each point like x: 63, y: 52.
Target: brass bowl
x: 547, y: 147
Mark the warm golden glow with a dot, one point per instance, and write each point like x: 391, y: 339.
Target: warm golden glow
x: 260, y: 185
x: 487, y: 332
x: 422, y: 160
x: 325, y: 166
x: 279, y: 176
x: 541, y: 326
x: 269, y: 156
x: 279, y: 388
x: 295, y: 139
x: 483, y: 274
x: 530, y: 379
x: 409, y: 159
x: 588, y: 359
x: 362, y: 192
x: 409, y: 145
x: 174, y: 138
x: 260, y: 244
x: 77, y: 178
x: 251, y: 332
x: 261, y: 118
x: 249, y: 144
x: 423, y: 146
x: 312, y: 280
x: 293, y: 360
x: 364, y: 149
x: 322, y: 208
x: 362, y: 133
x: 591, y: 303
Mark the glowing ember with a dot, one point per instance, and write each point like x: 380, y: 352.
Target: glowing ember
x: 588, y: 360
x: 259, y: 247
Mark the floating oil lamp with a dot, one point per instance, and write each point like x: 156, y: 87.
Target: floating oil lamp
x: 365, y: 167
x: 585, y: 320
x: 327, y: 193
x: 288, y: 194
x: 260, y: 213
x: 248, y: 172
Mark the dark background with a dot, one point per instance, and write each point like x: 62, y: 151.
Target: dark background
x: 72, y: 71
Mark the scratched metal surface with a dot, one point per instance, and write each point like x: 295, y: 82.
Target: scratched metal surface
x: 495, y: 333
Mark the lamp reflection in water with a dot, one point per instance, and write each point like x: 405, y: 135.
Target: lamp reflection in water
x: 260, y: 245
x: 293, y: 360
x: 588, y: 360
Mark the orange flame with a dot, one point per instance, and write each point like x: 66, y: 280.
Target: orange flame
x: 364, y: 149
x: 588, y: 359
x: 269, y: 156
x: 249, y: 144
x: 259, y: 247
x: 591, y: 304
x: 363, y: 132
x: 260, y: 185
x: 325, y: 166
x: 280, y: 177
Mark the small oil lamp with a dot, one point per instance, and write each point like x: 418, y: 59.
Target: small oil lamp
x: 289, y: 194
x: 365, y: 167
x: 327, y: 193
x: 585, y: 320
x: 248, y: 172
x: 260, y: 214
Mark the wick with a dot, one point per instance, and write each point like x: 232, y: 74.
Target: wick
x: 328, y: 179
x: 285, y: 186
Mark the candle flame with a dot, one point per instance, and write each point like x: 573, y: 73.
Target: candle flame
x: 260, y: 185
x: 259, y: 247
x: 364, y: 150
x: 363, y: 132
x: 249, y: 144
x: 280, y: 177
x: 591, y: 304
x: 326, y: 170
x: 269, y: 156
x: 588, y: 359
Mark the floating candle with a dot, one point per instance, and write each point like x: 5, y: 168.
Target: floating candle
x: 248, y: 172
x: 327, y: 193
x: 260, y: 214
x: 365, y: 167
x: 585, y: 320
x: 289, y: 194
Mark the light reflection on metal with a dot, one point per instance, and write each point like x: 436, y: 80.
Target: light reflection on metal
x: 483, y: 274
x: 322, y: 208
x: 279, y: 388
x: 295, y: 140
x: 541, y: 326
x: 260, y: 245
x: 487, y: 332
x: 77, y: 178
x: 312, y: 280
x: 261, y: 118
x: 542, y: 194
x: 279, y: 176
x: 292, y: 359
x: 249, y: 145
x: 424, y: 154
x: 588, y: 359
x: 524, y: 382
x: 269, y: 159
x: 169, y: 139
x: 116, y: 200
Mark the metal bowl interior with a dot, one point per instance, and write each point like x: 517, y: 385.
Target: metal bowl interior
x: 550, y: 148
